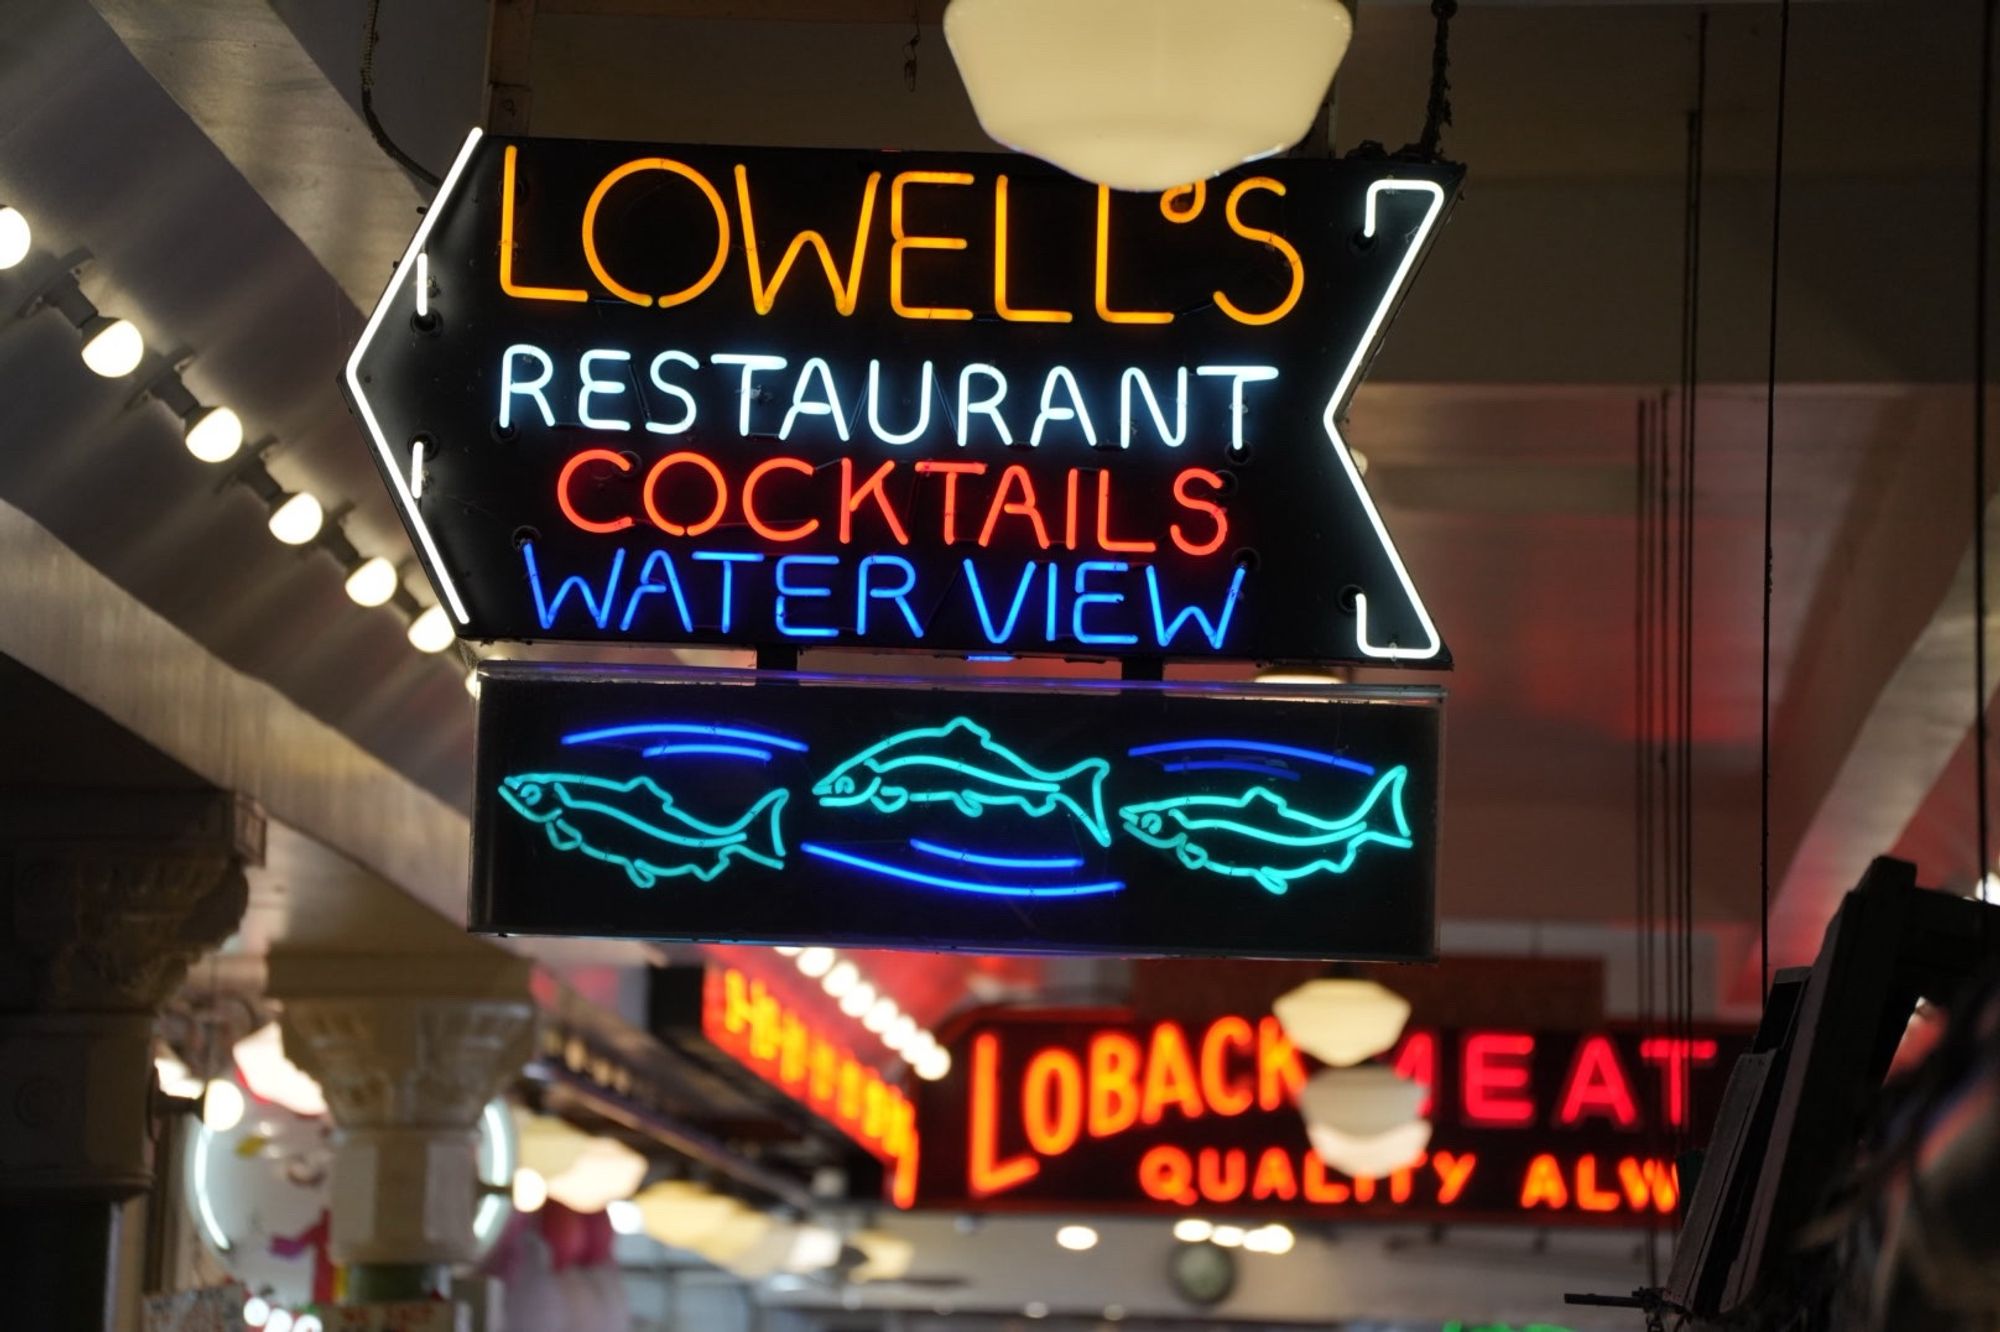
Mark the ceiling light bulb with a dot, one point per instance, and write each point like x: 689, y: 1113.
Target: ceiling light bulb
x: 432, y: 631
x: 15, y: 237
x: 858, y: 1000
x: 1279, y: 1239
x: 815, y: 962
x: 880, y: 1015
x: 214, y: 434
x: 788, y: 950
x: 1193, y: 1230
x: 222, y: 1105
x: 1229, y: 1237
x: 841, y: 979
x: 625, y: 1217
x: 530, y: 1190
x: 297, y: 520
x: 373, y: 581
x: 1147, y: 94
x: 1076, y: 1238
x: 175, y: 1079
x: 900, y: 1033
x: 935, y: 1064
x: 112, y: 347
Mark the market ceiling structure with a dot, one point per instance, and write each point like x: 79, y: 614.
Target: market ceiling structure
x: 212, y: 160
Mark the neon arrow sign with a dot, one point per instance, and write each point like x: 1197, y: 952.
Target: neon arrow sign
x: 956, y: 403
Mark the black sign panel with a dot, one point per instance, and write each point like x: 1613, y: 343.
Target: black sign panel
x: 1095, y: 1111
x: 960, y: 403
x: 1078, y: 818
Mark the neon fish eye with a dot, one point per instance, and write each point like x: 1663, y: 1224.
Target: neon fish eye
x: 843, y: 786
x: 531, y: 793
x: 1151, y: 823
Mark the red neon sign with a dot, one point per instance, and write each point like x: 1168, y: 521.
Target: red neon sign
x: 1170, y: 1116
x: 744, y: 1019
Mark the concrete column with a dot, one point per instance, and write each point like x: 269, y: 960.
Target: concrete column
x: 105, y: 899
x: 408, y: 1050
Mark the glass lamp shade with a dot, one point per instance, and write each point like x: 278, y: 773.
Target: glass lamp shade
x: 604, y: 1172
x: 887, y: 1257
x: 1361, y: 1102
x: 1147, y: 94
x: 1342, y: 1022
x: 1370, y: 1157
x: 681, y: 1214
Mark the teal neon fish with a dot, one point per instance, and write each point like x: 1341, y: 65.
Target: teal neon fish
x: 962, y: 765
x: 1259, y: 836
x: 637, y: 826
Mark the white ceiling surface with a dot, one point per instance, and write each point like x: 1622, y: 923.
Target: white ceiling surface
x: 1500, y: 420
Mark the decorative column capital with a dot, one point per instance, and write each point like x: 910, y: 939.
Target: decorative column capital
x: 405, y: 1040
x: 409, y: 1062
x: 107, y: 897
x: 408, y: 1050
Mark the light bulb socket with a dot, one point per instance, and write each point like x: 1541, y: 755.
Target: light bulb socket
x: 62, y: 294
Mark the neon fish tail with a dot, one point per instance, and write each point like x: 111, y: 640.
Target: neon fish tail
x: 1082, y: 789
x: 1391, y: 786
x: 763, y: 830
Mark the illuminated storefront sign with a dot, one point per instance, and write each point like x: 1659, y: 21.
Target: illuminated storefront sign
x: 1081, y: 817
x: 1043, y: 1113
x: 954, y: 402
x: 789, y: 1050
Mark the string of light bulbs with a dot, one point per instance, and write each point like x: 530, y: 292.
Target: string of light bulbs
x: 113, y: 348
x: 878, y: 1014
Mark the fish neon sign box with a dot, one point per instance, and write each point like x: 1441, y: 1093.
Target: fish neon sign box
x: 1082, y: 817
x: 946, y: 402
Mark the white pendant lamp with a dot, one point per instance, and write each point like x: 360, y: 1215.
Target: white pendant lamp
x: 1342, y: 1021
x: 1361, y: 1102
x: 1147, y: 94
x: 1370, y: 1157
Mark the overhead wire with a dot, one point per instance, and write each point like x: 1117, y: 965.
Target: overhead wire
x: 1770, y: 474
x: 371, y: 34
x: 1982, y: 211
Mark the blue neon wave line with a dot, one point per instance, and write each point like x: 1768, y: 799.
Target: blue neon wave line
x: 1255, y: 747
x: 997, y: 862
x: 730, y: 751
x: 1231, y: 765
x: 958, y: 885
x: 682, y: 728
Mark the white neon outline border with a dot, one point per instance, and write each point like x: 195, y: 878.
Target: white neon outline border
x: 496, y: 1143
x: 399, y: 488
x: 199, y: 1168
x: 1340, y: 391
